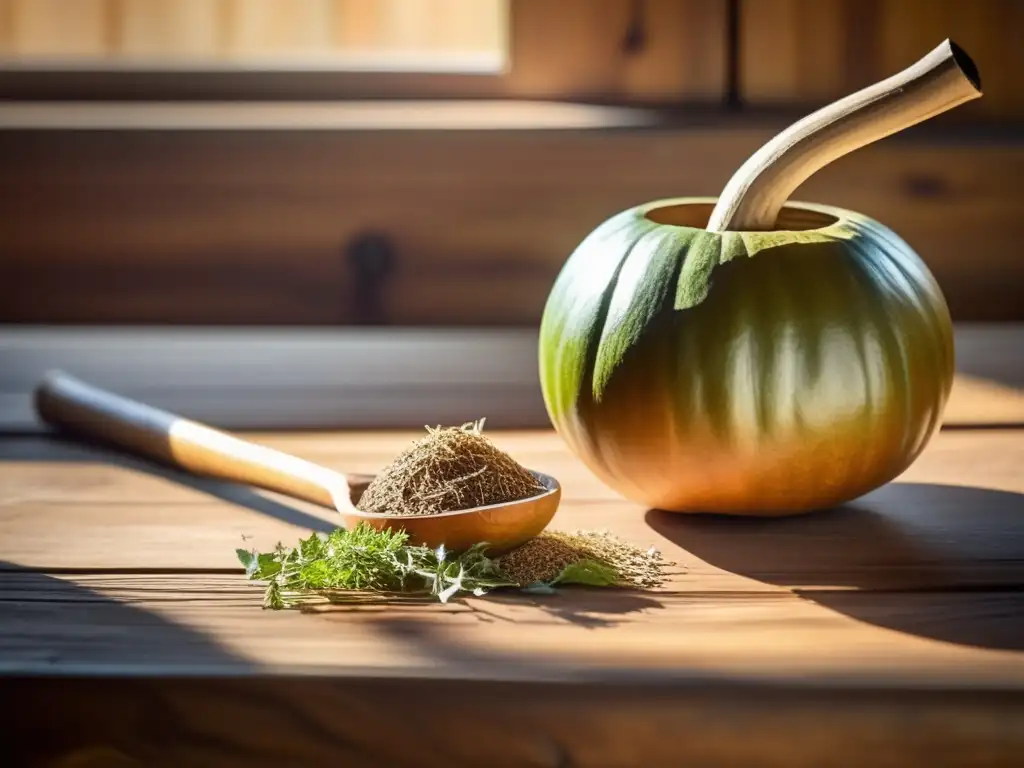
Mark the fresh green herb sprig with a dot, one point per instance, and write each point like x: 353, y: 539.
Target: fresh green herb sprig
x: 344, y: 564
x: 365, y: 560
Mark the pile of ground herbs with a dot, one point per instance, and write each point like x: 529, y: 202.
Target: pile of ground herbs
x: 544, y: 558
x: 449, y: 469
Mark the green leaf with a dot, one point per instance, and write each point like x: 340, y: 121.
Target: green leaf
x: 311, y: 548
x: 589, y: 572
x: 247, y: 558
x: 267, y: 565
x: 258, y: 567
x: 364, y: 559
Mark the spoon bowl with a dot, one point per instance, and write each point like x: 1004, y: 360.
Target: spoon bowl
x: 80, y: 408
x: 503, y: 526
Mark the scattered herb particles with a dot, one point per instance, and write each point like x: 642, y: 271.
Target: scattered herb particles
x: 347, y: 564
x: 451, y: 468
x: 546, y: 556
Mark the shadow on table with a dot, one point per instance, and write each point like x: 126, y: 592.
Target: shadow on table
x: 57, y: 447
x: 981, y: 353
x: 64, y: 645
x: 588, y: 607
x: 939, y: 561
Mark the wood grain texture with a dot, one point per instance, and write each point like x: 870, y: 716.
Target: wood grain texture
x: 663, y: 51
x: 57, y: 29
x: 277, y: 26
x: 578, y: 49
x: 180, y: 29
x: 205, y: 624
x: 989, y: 26
x: 206, y: 31
x: 955, y: 519
x: 813, y: 51
x: 6, y: 24
x: 446, y: 26
x: 977, y: 401
x: 214, y: 227
x: 295, y: 722
x: 179, y: 661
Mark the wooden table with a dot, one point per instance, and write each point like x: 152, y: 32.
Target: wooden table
x: 889, y: 632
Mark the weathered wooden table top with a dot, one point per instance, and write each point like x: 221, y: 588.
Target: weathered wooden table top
x: 889, y: 632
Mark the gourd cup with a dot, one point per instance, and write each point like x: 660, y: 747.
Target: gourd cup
x: 752, y: 355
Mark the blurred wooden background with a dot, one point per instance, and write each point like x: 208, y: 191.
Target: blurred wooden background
x: 817, y: 50
x: 788, y: 51
x: 370, y: 222
x: 211, y: 30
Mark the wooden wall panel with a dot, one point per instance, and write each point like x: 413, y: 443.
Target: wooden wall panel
x: 577, y: 49
x: 612, y: 50
x: 225, y: 29
x: 791, y: 50
x: 813, y: 51
x: 991, y: 31
x: 6, y: 36
x: 168, y: 28
x: 440, y: 25
x: 59, y: 28
x: 277, y: 27
x: 255, y: 226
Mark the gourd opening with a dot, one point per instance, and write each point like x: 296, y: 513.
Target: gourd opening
x: 791, y: 218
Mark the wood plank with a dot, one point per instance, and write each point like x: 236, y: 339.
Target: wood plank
x: 205, y: 31
x: 577, y: 50
x: 245, y: 722
x: 420, y: 26
x: 6, y: 23
x: 381, y: 378
x: 977, y: 401
x: 386, y: 115
x: 255, y: 227
x: 813, y: 51
x: 271, y: 28
x: 182, y: 29
x: 214, y: 625
x: 910, y: 673
x: 955, y: 519
x: 60, y: 30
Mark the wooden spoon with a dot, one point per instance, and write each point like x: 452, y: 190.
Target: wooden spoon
x: 79, y: 408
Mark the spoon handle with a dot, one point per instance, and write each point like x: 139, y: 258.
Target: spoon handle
x: 88, y: 411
